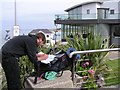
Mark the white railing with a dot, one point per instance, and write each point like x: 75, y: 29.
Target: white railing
x: 93, y: 51
x: 85, y: 52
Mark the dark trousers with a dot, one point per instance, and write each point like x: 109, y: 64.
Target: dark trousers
x: 11, y: 68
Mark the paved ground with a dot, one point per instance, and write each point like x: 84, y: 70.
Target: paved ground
x: 114, y: 55
x: 60, y: 82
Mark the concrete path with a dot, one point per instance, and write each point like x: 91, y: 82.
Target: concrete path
x: 60, y: 82
x: 114, y: 55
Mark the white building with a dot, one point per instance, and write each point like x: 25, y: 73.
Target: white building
x: 48, y: 34
x: 101, y: 16
x: 57, y: 34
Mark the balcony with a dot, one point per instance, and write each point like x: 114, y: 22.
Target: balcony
x: 87, y: 18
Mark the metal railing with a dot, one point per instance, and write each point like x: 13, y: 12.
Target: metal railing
x: 86, y: 52
x: 86, y: 16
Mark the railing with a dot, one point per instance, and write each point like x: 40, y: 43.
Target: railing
x: 87, y: 52
x: 86, y: 16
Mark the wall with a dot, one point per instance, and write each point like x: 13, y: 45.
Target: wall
x: 119, y: 9
x: 93, y: 11
x: 111, y: 5
x: 75, y: 13
x: 49, y: 39
x: 103, y: 29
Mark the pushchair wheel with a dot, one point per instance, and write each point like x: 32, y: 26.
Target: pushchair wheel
x: 59, y: 74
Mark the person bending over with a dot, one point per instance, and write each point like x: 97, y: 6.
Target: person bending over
x: 16, y: 47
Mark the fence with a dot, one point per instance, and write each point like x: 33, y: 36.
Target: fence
x: 74, y: 72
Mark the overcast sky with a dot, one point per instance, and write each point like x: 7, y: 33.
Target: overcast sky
x: 34, y: 13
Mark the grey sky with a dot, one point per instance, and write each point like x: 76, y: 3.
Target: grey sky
x: 33, y: 13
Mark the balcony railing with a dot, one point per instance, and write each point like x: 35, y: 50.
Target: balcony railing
x: 86, y: 16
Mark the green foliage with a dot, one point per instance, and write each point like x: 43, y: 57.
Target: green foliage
x: 91, y: 42
x: 26, y: 67
x: 90, y: 83
x: 114, y: 77
x: 46, y: 49
x: 4, y: 82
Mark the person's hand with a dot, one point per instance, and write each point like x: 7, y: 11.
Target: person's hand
x: 41, y: 56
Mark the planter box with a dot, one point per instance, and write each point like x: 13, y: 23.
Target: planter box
x: 60, y: 82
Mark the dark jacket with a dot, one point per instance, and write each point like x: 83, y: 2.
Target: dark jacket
x: 21, y: 45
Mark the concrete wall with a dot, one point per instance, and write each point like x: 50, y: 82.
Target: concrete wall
x: 103, y: 29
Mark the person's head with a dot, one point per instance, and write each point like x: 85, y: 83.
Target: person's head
x: 40, y: 38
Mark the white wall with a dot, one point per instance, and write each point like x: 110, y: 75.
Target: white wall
x: 111, y: 5
x: 93, y: 11
x: 49, y: 38
x: 58, y: 37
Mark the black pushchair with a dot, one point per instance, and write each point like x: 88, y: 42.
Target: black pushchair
x: 60, y: 63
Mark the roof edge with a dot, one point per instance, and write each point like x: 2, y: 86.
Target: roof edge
x: 81, y: 4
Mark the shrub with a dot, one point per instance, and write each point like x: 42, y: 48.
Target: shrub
x: 91, y: 42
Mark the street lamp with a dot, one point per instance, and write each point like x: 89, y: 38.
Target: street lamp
x: 15, y: 13
x: 16, y: 27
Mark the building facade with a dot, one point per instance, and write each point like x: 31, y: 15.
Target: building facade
x: 48, y: 34
x: 99, y: 16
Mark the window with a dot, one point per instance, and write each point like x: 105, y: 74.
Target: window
x: 117, y: 31
x: 48, y: 41
x: 112, y: 11
x: 47, y: 35
x: 88, y: 11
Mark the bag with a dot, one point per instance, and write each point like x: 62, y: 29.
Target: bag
x: 60, y: 63
x: 50, y: 75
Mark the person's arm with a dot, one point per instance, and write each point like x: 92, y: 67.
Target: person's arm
x: 31, y: 49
